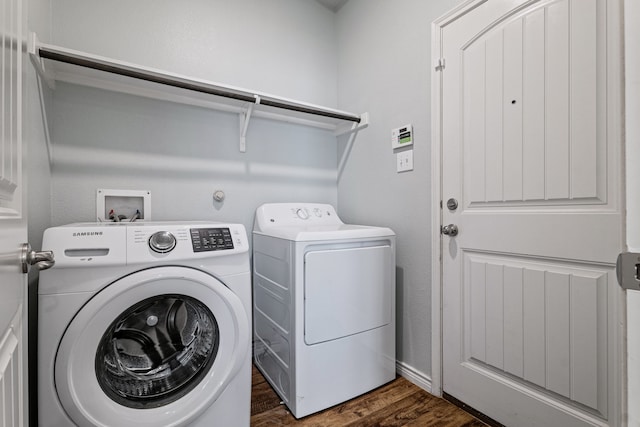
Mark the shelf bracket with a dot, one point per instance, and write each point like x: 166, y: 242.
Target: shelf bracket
x: 355, y: 127
x: 353, y: 133
x: 245, y: 116
x: 38, y: 63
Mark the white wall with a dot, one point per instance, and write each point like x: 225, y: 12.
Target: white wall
x: 183, y: 154
x: 632, y: 95
x: 384, y: 68
x: 283, y: 47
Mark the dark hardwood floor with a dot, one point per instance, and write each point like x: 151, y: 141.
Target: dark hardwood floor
x: 399, y: 403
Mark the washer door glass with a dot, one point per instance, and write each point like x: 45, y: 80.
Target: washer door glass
x: 157, y: 351
x: 154, y: 347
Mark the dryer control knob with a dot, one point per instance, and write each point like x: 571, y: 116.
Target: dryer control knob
x: 302, y: 213
x: 162, y: 242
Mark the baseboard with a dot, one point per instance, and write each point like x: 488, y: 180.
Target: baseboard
x: 416, y: 377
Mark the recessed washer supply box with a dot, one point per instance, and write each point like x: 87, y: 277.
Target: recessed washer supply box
x: 124, y: 203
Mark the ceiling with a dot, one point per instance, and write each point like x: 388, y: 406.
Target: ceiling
x: 333, y: 5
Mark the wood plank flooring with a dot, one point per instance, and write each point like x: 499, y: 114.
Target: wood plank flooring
x: 397, y: 404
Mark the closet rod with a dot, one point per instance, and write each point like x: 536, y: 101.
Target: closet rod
x: 169, y: 81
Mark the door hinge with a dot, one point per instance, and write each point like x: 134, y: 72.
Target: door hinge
x: 440, y: 64
x: 628, y: 270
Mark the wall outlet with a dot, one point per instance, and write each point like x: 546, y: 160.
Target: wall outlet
x: 404, y: 161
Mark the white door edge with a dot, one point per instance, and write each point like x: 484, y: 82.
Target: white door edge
x: 632, y: 149
x: 436, y: 189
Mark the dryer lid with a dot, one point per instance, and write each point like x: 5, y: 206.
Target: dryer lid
x: 326, y: 232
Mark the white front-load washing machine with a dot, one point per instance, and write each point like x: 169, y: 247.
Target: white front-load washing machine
x: 324, y: 305
x: 145, y: 324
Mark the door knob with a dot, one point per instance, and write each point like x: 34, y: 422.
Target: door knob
x: 42, y: 260
x: 449, y: 230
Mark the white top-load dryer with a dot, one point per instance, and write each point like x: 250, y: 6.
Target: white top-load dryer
x: 324, y: 305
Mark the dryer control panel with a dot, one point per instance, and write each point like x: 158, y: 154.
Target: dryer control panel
x: 296, y: 215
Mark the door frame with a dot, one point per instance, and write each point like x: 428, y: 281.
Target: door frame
x: 615, y: 45
x: 437, y: 28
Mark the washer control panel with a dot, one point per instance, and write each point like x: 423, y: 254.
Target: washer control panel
x: 128, y: 243
x: 211, y: 239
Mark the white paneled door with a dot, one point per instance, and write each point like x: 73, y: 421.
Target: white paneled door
x: 531, y: 150
x: 13, y: 229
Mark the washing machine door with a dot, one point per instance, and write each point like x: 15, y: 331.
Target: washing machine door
x: 156, y: 347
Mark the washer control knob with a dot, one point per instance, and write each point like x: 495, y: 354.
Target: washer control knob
x: 302, y: 213
x: 162, y: 242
